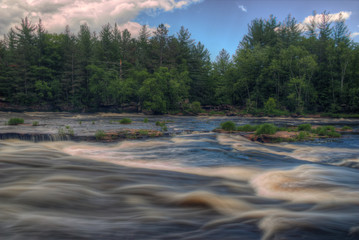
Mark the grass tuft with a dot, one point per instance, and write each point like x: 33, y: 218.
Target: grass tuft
x: 100, y: 134
x: 305, y: 127
x: 125, y: 121
x: 228, y: 126
x: 247, y: 128
x: 15, y: 121
x: 266, y: 128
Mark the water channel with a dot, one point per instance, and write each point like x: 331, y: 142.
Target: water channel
x: 191, y: 184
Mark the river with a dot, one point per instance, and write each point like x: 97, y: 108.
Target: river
x: 192, y: 184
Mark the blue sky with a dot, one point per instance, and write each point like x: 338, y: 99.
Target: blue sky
x: 216, y: 23
x: 223, y: 23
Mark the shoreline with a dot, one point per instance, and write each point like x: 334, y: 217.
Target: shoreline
x: 65, y: 126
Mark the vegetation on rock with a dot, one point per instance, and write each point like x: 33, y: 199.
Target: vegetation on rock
x: 228, y: 126
x: 66, y: 131
x: 15, y: 121
x: 125, y: 121
x: 266, y: 128
x: 100, y: 134
x: 270, y: 133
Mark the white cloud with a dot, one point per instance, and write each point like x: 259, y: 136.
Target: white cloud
x: 57, y: 14
x: 242, y: 8
x: 134, y: 28
x: 354, y: 34
x: 332, y: 17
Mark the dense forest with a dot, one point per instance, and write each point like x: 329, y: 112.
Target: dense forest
x: 277, y: 66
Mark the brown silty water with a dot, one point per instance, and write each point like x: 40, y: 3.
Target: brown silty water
x: 201, y: 185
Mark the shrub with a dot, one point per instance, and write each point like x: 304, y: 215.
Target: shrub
x: 333, y: 134
x: 143, y: 132
x: 15, y: 121
x: 70, y: 132
x: 247, y: 128
x: 330, y: 128
x: 328, y: 131
x: 100, y: 134
x: 345, y: 128
x: 67, y: 131
x: 305, y: 127
x: 270, y: 105
x: 125, y: 121
x: 266, y: 128
x: 287, y: 129
x: 228, y: 126
x: 196, y: 107
x: 161, y: 124
x: 61, y: 132
x: 321, y: 131
x: 35, y: 123
x: 145, y: 120
x: 302, y: 135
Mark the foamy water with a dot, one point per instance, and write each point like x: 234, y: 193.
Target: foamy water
x: 195, y: 186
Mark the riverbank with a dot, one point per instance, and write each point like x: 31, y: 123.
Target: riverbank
x: 271, y: 133
x: 222, y: 110
x: 60, y: 126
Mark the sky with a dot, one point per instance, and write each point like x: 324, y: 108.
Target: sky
x: 218, y: 24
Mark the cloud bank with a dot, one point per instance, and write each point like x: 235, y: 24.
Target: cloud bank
x: 56, y: 14
x: 333, y: 17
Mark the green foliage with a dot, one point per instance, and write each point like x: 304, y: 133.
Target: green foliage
x: 143, y: 132
x: 346, y: 128
x: 277, y: 69
x: 125, y: 121
x: 66, y: 131
x: 305, y: 127
x: 100, y: 135
x: 145, y: 120
x: 266, y: 128
x: 321, y: 131
x: 326, y: 131
x: 330, y: 128
x: 228, y: 126
x: 302, y: 135
x: 161, y: 124
x: 333, y: 134
x: 270, y: 105
x: 35, y: 123
x: 196, y: 107
x: 15, y: 121
x: 247, y: 128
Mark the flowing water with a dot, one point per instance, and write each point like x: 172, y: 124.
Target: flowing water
x: 196, y: 185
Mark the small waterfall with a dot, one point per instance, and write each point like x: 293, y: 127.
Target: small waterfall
x: 35, y: 137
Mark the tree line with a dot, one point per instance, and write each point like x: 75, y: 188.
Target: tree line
x: 278, y: 65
